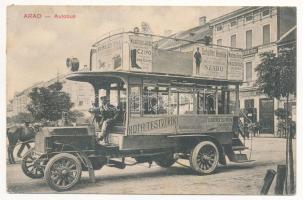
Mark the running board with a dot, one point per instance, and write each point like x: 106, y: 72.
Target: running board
x: 239, y: 148
x: 240, y: 158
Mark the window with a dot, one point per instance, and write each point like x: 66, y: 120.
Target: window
x: 266, y: 34
x: 219, y: 42
x: 173, y: 108
x: 114, y: 98
x: 81, y: 100
x: 134, y: 100
x: 233, y: 39
x: 219, y: 27
x: 233, y: 23
x: 155, y: 100
x: 186, y: 103
x: 181, y: 101
x: 265, y: 13
x: 248, y: 18
x: 249, y: 103
x: 248, y: 68
x: 248, y: 39
x: 206, y: 101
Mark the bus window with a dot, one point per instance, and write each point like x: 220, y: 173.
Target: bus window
x: 122, y: 102
x: 173, y: 108
x: 206, y: 100
x: 162, y: 100
x: 155, y: 100
x: 114, y: 98
x: 201, y: 103
x: 134, y: 99
x: 186, y: 103
x: 226, y: 100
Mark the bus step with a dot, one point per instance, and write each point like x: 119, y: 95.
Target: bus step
x: 239, y: 148
x: 240, y: 158
x: 237, y: 142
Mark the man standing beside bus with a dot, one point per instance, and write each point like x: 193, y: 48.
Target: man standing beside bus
x: 198, y: 59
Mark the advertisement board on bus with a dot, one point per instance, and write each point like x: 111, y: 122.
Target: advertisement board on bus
x: 217, y: 63
x: 141, y: 53
x: 109, y: 54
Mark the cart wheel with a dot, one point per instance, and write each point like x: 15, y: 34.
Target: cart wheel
x: 204, y: 157
x: 30, y: 166
x: 63, y: 171
x: 165, y: 161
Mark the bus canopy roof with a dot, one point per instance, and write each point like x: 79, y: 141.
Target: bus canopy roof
x: 123, y: 76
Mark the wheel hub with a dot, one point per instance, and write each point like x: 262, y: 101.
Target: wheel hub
x: 64, y: 172
x: 205, y: 157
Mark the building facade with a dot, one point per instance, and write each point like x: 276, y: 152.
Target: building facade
x: 256, y: 30
x: 80, y: 93
x: 253, y: 30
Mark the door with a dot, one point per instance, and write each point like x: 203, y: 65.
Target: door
x: 267, y: 115
x: 251, y: 110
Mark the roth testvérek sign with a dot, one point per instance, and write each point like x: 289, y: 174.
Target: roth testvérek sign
x: 179, y: 125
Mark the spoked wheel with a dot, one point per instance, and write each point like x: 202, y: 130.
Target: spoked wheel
x: 31, y: 165
x: 204, y: 157
x: 63, y: 171
x: 165, y: 160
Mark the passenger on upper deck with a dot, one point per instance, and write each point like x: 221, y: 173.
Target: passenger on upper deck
x: 198, y: 59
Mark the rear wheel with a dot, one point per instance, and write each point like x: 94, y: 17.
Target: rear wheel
x: 63, y: 171
x: 204, y: 157
x: 165, y: 160
x: 31, y: 166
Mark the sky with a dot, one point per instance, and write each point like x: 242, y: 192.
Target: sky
x: 38, y: 47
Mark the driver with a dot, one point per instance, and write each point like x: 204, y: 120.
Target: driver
x: 109, y: 115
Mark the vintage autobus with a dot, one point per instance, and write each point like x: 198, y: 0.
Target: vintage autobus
x: 168, y: 108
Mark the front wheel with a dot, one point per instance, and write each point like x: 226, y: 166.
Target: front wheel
x: 204, y: 157
x: 63, y: 171
x: 31, y: 166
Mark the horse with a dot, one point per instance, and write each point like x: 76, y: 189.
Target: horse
x: 17, y: 133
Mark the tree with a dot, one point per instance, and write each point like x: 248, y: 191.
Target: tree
x: 277, y: 79
x: 20, y: 118
x: 75, y: 115
x: 48, y: 103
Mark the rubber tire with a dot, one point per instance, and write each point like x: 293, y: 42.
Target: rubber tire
x: 193, y: 158
x: 25, y: 169
x: 165, y: 161
x: 55, y: 159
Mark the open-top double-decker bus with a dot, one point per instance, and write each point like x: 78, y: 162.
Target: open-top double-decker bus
x: 171, y: 106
